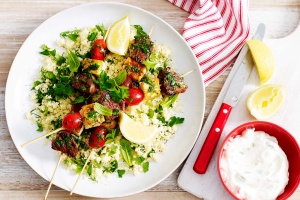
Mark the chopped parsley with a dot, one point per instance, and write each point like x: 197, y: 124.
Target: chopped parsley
x: 72, y: 35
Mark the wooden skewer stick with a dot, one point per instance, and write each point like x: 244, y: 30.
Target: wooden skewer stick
x: 46, y: 195
x: 187, y: 73
x: 43, y: 136
x: 81, y: 171
x: 151, y: 30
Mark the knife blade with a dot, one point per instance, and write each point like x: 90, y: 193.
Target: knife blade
x: 245, y: 65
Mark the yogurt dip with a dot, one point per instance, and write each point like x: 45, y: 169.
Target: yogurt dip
x: 253, y: 166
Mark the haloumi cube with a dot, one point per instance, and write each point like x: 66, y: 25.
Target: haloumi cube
x: 93, y: 66
x: 134, y: 69
x: 150, y: 91
x: 91, y: 118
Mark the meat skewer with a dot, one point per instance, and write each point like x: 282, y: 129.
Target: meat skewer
x: 65, y: 143
x: 170, y: 82
x: 71, y: 122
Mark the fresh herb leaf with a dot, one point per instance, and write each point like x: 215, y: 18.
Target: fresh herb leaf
x: 121, y: 172
x: 159, y: 109
x: 57, y: 123
x: 145, y: 166
x: 119, y: 93
x: 113, y: 150
x: 150, y: 62
x: 150, y: 152
x: 47, y: 51
x: 60, y: 60
x: 162, y: 119
x: 113, y: 167
x: 94, y: 66
x: 73, y: 61
x: 36, y: 115
x: 150, y: 113
x: 101, y: 29
x: 40, y: 127
x: 92, y: 36
x: 90, y: 169
x: 103, y: 82
x: 103, y: 110
x: 175, y: 120
x: 119, y: 79
x: 168, y: 101
x: 79, y: 99
x: 36, y: 83
x: 139, y: 160
x: 72, y: 35
x: 140, y: 31
x: 126, y: 152
x: 112, y: 134
x: 61, y: 90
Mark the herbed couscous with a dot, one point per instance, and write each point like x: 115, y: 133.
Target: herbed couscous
x: 79, y: 75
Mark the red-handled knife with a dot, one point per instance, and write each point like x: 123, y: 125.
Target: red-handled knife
x: 244, y: 61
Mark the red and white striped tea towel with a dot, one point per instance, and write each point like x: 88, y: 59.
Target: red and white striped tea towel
x: 216, y: 31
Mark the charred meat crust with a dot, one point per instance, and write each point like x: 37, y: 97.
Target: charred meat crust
x: 65, y: 143
x: 106, y: 100
x: 171, y: 83
x: 84, y: 83
x: 141, y: 48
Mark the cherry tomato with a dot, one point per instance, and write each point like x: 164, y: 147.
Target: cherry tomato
x: 127, y: 82
x: 72, y: 121
x: 97, y: 138
x: 98, y: 49
x: 135, y: 96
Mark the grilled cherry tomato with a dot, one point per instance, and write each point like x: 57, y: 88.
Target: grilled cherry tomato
x: 98, y: 49
x: 97, y: 138
x: 127, y: 82
x: 72, y: 121
x: 135, y: 97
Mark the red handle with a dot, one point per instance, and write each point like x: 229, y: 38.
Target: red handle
x: 212, y: 139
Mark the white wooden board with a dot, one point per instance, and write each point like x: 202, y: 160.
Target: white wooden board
x: 287, y: 58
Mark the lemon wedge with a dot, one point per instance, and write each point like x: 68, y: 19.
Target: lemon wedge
x: 118, y: 36
x: 263, y: 59
x: 135, y: 131
x: 265, y: 101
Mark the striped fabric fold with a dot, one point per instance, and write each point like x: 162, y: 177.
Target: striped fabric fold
x: 216, y: 31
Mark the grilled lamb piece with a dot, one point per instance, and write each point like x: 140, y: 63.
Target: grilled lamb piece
x: 84, y: 83
x: 65, y: 143
x: 141, y: 48
x: 170, y: 82
x: 106, y: 100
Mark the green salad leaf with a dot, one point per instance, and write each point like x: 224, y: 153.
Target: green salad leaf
x: 103, y: 110
x: 73, y: 61
x: 126, y: 152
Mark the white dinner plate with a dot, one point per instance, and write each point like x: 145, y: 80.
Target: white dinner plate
x: 26, y: 66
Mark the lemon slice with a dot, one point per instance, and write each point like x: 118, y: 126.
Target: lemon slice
x: 135, y: 131
x: 118, y: 36
x: 265, y: 101
x: 263, y: 59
